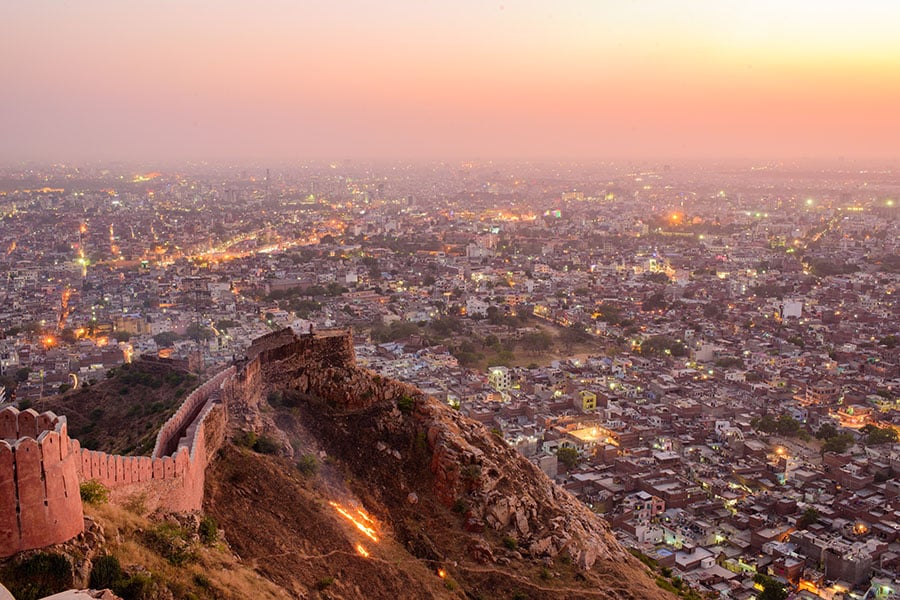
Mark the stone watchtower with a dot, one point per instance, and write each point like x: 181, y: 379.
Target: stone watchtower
x: 40, y: 502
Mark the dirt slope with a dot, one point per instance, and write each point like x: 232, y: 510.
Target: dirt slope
x: 385, y: 462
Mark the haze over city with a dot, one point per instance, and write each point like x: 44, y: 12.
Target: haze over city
x: 436, y: 300
x: 506, y: 79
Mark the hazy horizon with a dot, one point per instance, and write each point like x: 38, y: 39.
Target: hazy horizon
x: 648, y: 81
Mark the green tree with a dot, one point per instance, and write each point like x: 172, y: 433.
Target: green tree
x: 199, y: 332
x: 576, y: 334
x: 535, y: 343
x: 226, y: 324
x: 766, y: 424
x: 826, y: 431
x: 787, y: 425
x: 656, y: 301
x: 772, y: 588
x: 166, y: 339
x: 810, y: 517
x: 838, y: 444
x: 568, y: 456
x: 494, y: 315
x: 121, y: 336
x: 335, y: 289
x: 879, y: 435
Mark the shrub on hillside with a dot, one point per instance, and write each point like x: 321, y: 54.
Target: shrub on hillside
x: 308, y: 465
x: 106, y: 572
x: 94, y: 492
x: 208, y: 530
x: 38, y: 576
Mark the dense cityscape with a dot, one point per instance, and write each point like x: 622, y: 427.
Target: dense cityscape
x: 708, y: 357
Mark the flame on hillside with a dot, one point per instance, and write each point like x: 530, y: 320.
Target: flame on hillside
x: 367, y: 530
x: 362, y: 551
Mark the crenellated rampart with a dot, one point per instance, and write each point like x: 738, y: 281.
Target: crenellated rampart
x: 171, y: 480
x: 40, y: 503
x: 41, y: 467
x: 173, y: 431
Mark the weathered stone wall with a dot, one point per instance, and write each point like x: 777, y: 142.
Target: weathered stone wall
x: 273, y: 358
x: 170, y: 434
x: 40, y: 503
x: 172, y: 479
x: 41, y: 468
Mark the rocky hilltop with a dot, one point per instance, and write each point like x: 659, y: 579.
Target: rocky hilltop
x: 451, y: 501
x: 294, y: 473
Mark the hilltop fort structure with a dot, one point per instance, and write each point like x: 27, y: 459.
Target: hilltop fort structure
x: 41, y: 467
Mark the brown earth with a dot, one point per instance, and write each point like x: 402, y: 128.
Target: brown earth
x: 374, y: 458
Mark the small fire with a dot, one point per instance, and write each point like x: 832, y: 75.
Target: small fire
x: 442, y: 573
x: 365, y: 529
x: 362, y: 551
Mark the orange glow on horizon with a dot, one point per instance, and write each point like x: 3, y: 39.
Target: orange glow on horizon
x: 707, y: 78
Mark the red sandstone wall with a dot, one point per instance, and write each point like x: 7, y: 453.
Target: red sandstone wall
x: 172, y: 483
x: 40, y: 467
x: 166, y: 440
x: 40, y: 503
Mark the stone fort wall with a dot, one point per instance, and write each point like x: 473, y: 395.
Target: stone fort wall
x: 41, y: 468
x: 40, y: 503
x: 171, y: 480
x: 323, y: 364
x: 270, y: 357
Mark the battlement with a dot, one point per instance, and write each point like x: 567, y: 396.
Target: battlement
x: 40, y: 502
x: 172, y: 478
x: 41, y: 468
x: 171, y: 433
x: 15, y: 424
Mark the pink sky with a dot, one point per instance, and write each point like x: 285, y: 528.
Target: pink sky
x: 433, y: 79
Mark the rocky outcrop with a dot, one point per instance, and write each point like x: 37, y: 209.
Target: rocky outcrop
x: 479, y: 473
x: 472, y: 471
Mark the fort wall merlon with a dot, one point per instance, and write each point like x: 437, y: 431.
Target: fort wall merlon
x: 40, y: 503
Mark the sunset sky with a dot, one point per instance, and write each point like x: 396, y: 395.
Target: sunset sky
x: 220, y: 79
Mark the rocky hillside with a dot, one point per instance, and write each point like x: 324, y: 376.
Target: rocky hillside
x: 338, y: 483
x: 384, y: 493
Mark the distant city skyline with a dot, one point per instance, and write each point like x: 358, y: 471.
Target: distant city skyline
x: 101, y: 80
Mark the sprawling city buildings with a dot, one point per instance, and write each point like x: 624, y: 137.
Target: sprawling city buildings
x: 709, y: 359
